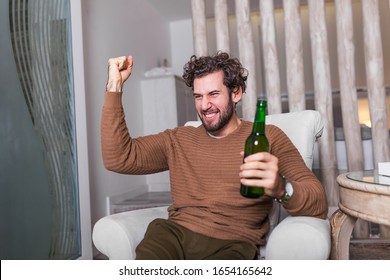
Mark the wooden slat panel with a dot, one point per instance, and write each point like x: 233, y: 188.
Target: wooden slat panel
x: 294, y: 56
x: 375, y: 80
x: 271, y: 64
x: 375, y: 84
x: 323, y: 98
x: 349, y: 106
x: 199, y: 27
x: 246, y: 51
x: 222, y: 25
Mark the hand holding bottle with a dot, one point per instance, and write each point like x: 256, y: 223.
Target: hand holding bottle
x: 261, y: 170
x: 119, y: 70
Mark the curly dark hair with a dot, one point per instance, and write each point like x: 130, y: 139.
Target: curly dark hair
x: 234, y: 74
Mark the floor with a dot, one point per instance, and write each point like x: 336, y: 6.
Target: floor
x: 372, y: 249
x: 100, y: 257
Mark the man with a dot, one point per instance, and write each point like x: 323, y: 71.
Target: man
x: 208, y: 218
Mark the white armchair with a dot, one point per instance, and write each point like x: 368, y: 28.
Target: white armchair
x: 117, y: 235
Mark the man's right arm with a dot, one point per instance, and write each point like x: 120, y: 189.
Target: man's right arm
x: 119, y: 70
x: 120, y: 152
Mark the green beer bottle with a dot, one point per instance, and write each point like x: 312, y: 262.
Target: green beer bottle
x: 256, y: 142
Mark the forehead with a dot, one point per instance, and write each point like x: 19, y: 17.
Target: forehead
x: 209, y: 82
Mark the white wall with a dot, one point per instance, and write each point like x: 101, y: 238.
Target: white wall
x: 181, y: 44
x: 115, y: 28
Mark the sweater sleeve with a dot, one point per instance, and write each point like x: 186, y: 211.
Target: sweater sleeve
x: 123, y: 154
x: 309, y: 198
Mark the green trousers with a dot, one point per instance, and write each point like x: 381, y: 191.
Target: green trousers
x: 166, y: 240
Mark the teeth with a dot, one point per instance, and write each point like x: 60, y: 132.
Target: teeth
x: 210, y: 115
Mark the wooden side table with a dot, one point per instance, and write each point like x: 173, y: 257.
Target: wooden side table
x: 364, y: 195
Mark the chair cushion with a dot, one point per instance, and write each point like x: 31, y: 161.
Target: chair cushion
x: 303, y: 128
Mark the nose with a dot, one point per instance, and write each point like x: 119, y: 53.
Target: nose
x: 205, y: 103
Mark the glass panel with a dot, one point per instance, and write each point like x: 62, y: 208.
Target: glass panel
x: 369, y: 176
x: 45, y: 192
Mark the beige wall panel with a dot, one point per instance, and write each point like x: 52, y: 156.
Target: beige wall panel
x: 199, y: 27
x: 270, y: 53
x: 323, y: 98
x: 294, y: 57
x: 247, y: 56
x: 222, y: 25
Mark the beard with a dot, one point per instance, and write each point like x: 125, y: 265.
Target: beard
x: 224, y: 117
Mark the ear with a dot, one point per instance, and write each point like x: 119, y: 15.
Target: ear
x: 237, y: 94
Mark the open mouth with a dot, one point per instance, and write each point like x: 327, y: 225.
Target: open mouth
x: 209, y: 115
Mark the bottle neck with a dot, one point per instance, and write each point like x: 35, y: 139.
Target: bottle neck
x: 259, y: 123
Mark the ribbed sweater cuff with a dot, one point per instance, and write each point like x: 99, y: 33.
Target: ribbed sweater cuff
x: 113, y: 99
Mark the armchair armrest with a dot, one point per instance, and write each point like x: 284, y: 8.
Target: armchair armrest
x: 117, y: 235
x: 299, y: 238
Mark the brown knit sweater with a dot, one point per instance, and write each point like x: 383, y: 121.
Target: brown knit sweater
x: 204, y: 178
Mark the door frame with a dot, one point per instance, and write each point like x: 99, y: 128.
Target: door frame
x: 81, y: 129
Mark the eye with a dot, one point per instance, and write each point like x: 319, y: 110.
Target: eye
x: 197, y: 96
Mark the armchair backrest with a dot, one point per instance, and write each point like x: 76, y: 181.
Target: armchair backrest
x: 303, y: 128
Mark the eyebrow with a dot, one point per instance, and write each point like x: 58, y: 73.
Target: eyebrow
x: 211, y: 92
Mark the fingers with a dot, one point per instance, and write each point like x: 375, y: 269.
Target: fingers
x: 125, y: 63
x: 266, y: 176
x: 260, y: 170
x: 119, y: 70
x: 121, y: 63
x: 267, y: 184
x: 129, y: 62
x: 264, y: 156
